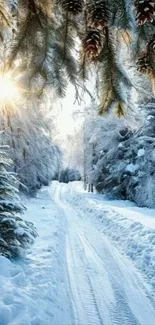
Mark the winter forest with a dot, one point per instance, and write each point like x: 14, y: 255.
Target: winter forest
x: 77, y: 162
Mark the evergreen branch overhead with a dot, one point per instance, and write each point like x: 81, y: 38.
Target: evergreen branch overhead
x: 46, y: 36
x: 113, y: 79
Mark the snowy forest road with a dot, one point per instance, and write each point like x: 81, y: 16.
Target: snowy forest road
x: 105, y: 287
x: 79, y: 271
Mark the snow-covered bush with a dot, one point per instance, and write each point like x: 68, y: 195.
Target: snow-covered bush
x: 121, y: 163
x: 15, y: 233
x: 69, y: 175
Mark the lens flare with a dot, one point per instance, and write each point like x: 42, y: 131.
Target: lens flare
x: 9, y: 91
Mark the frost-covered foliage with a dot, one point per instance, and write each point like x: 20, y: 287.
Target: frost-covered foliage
x: 28, y: 132
x: 121, y: 162
x: 52, y: 43
x: 69, y: 175
x: 15, y: 233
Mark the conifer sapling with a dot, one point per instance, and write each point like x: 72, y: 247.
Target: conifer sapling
x: 16, y: 234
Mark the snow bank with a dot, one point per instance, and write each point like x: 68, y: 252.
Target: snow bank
x: 133, y: 237
x: 34, y: 289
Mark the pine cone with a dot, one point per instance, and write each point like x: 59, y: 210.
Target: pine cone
x: 145, y: 11
x: 151, y: 45
x: 73, y: 6
x: 143, y: 65
x: 92, y: 44
x: 98, y: 14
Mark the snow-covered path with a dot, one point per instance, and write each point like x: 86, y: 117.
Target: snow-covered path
x: 75, y: 274
x: 106, y: 287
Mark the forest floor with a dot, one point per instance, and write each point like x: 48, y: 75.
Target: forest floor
x: 92, y: 264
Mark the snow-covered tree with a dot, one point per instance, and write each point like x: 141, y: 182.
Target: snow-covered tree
x: 120, y: 161
x: 28, y: 131
x: 15, y: 234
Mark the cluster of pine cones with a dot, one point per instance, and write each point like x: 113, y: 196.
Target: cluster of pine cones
x: 97, y: 15
x: 97, y: 19
x: 145, y: 10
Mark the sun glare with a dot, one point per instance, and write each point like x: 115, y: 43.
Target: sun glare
x: 9, y: 91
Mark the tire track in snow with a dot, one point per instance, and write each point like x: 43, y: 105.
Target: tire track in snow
x: 96, y: 272
x: 83, y: 294
x: 120, y: 312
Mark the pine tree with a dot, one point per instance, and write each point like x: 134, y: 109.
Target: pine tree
x: 15, y: 233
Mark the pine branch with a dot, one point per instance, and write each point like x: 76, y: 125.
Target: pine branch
x: 5, y: 19
x: 113, y: 79
x: 122, y: 15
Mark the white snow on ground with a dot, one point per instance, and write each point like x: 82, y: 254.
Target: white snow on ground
x: 106, y: 287
x: 34, y: 290
x: 132, y: 229
x: 76, y: 274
